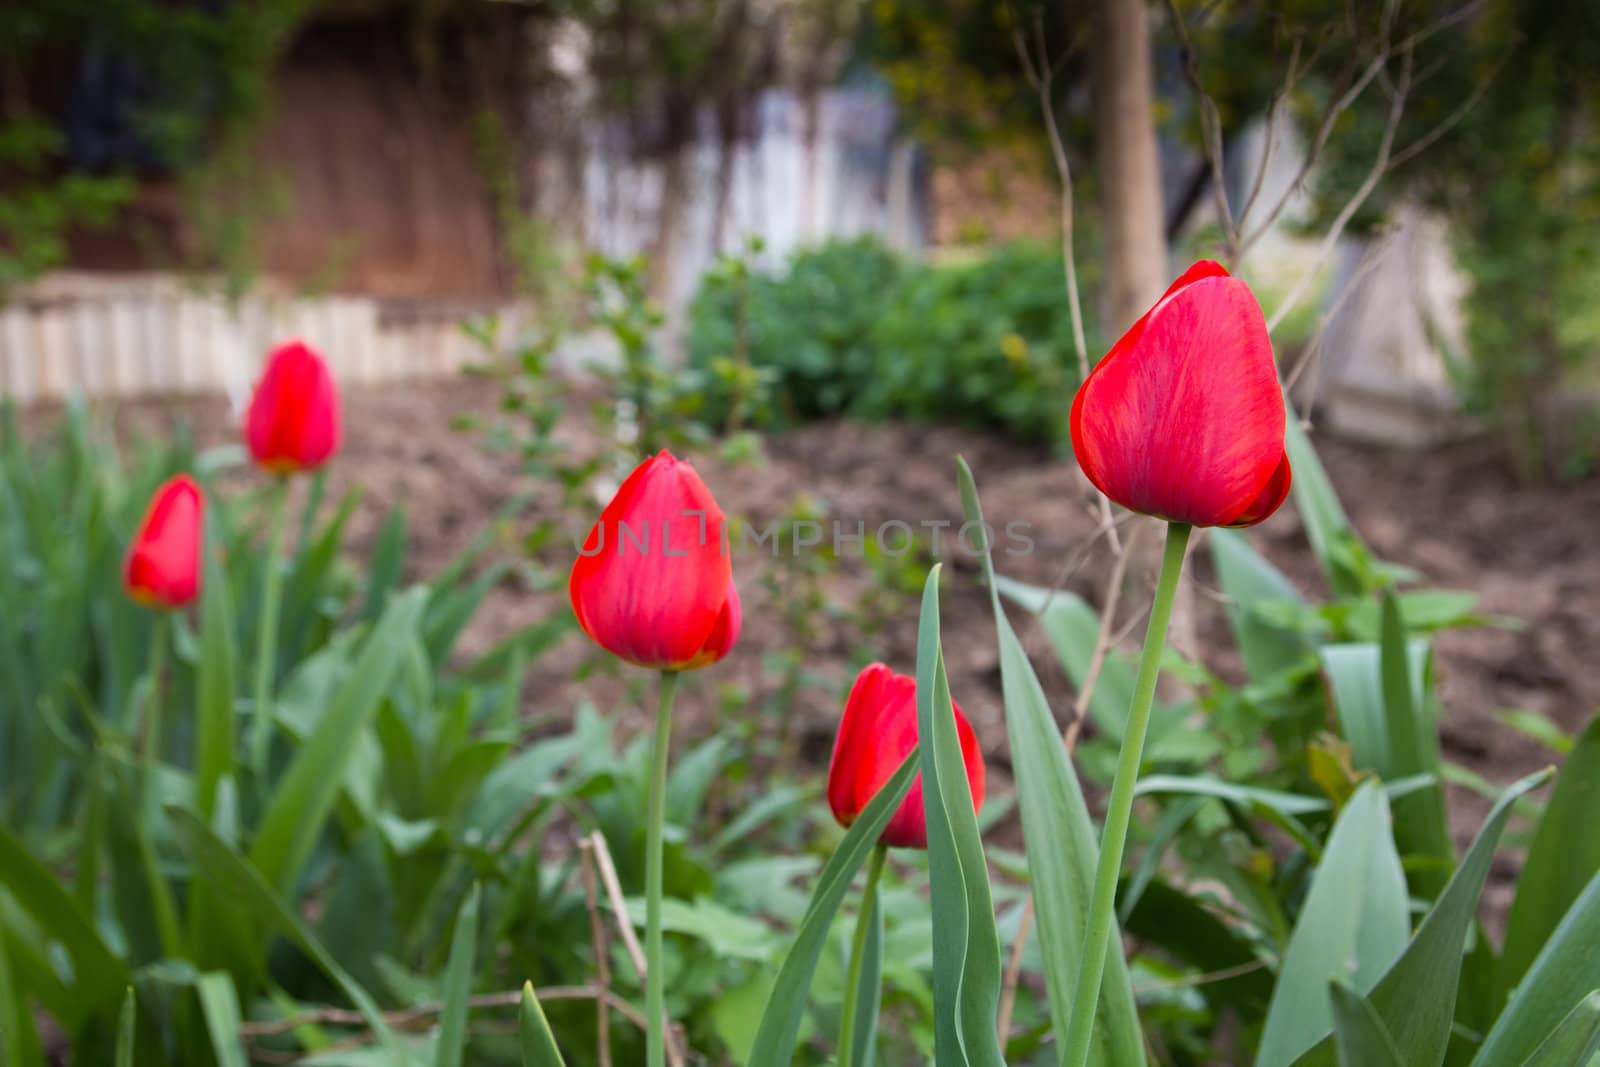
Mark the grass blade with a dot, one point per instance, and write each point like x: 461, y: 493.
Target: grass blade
x: 966, y: 946
x: 786, y: 1004
x: 250, y: 892
x: 1568, y: 963
x: 1353, y: 926
x: 539, y: 1048
x: 1361, y: 1037
x: 1564, y: 856
x: 1416, y: 998
x: 306, y: 794
x: 1059, y: 838
x: 458, y: 985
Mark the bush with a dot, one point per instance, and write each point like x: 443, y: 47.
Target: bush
x: 850, y: 328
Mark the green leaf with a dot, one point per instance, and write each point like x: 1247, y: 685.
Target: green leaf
x: 458, y: 984
x: 1564, y: 856
x: 1060, y: 840
x: 1575, y: 1041
x: 19, y: 1040
x: 99, y: 976
x: 306, y: 793
x: 250, y: 893
x: 1323, y: 516
x: 125, y: 1031
x: 1570, y: 961
x: 869, y: 989
x: 1361, y: 1037
x: 786, y: 1005
x: 1250, y: 582
x: 539, y: 1048
x: 966, y: 945
x: 219, y: 1002
x: 1384, y: 702
x: 1416, y: 998
x: 1353, y: 925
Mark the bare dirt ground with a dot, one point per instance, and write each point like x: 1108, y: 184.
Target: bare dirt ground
x: 1455, y: 515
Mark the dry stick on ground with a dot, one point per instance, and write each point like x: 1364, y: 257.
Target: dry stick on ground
x: 411, y: 1017
x: 619, y: 909
x: 597, y: 935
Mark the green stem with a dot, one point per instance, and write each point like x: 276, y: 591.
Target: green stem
x: 267, y: 639
x: 165, y: 908
x: 1102, y: 906
x: 858, y: 950
x: 153, y: 721
x: 655, y: 1001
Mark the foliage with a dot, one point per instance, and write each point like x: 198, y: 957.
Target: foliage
x: 850, y: 328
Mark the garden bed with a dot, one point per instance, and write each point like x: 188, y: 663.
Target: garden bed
x: 1454, y: 514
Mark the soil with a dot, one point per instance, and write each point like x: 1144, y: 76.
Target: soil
x: 1454, y: 514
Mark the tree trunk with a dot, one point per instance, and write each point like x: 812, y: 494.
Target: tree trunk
x: 1128, y: 161
x: 1131, y: 216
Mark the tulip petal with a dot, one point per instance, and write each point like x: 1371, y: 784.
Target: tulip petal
x: 1184, y: 418
x: 651, y: 584
x: 162, y: 567
x: 877, y: 732
x: 1271, y: 496
x: 293, y: 420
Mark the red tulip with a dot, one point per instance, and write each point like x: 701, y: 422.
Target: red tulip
x: 162, y: 568
x: 293, y: 421
x: 878, y: 731
x: 1184, y: 418
x: 653, y: 583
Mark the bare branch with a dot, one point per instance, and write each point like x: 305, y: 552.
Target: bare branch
x: 1329, y: 240
x: 1013, y: 973
x: 602, y: 952
x: 1210, y: 127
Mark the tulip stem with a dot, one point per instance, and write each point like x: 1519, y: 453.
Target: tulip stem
x: 865, y: 921
x: 267, y: 638
x: 655, y: 1001
x: 1102, y: 906
x: 153, y: 718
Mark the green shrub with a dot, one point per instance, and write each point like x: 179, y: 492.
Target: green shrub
x: 850, y: 328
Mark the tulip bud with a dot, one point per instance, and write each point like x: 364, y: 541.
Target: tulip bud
x: 162, y: 568
x: 878, y: 731
x: 1184, y: 418
x: 653, y: 583
x: 293, y: 420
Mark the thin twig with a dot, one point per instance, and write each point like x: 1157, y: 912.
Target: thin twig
x: 1210, y: 127
x: 1103, y: 642
x: 1221, y: 975
x: 1329, y: 240
x: 1369, y: 262
x: 630, y: 940
x: 1013, y: 974
x: 409, y: 1018
x: 597, y: 936
x: 1041, y: 76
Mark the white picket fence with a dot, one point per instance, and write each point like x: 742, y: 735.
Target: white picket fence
x: 109, y: 335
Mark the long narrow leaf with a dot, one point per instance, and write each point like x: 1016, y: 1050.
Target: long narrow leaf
x: 1575, y: 1041
x: 19, y: 1039
x: 219, y: 1002
x: 1060, y: 840
x: 1417, y: 997
x: 1570, y: 962
x: 308, y: 789
x: 1354, y: 924
x: 250, y: 892
x: 869, y: 990
x: 99, y: 975
x: 786, y: 1004
x: 1361, y: 1037
x: 216, y: 728
x: 539, y: 1048
x: 966, y: 945
x: 125, y: 1031
x: 1564, y: 856
x: 458, y: 985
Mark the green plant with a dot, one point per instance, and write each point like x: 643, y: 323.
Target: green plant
x: 850, y: 328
